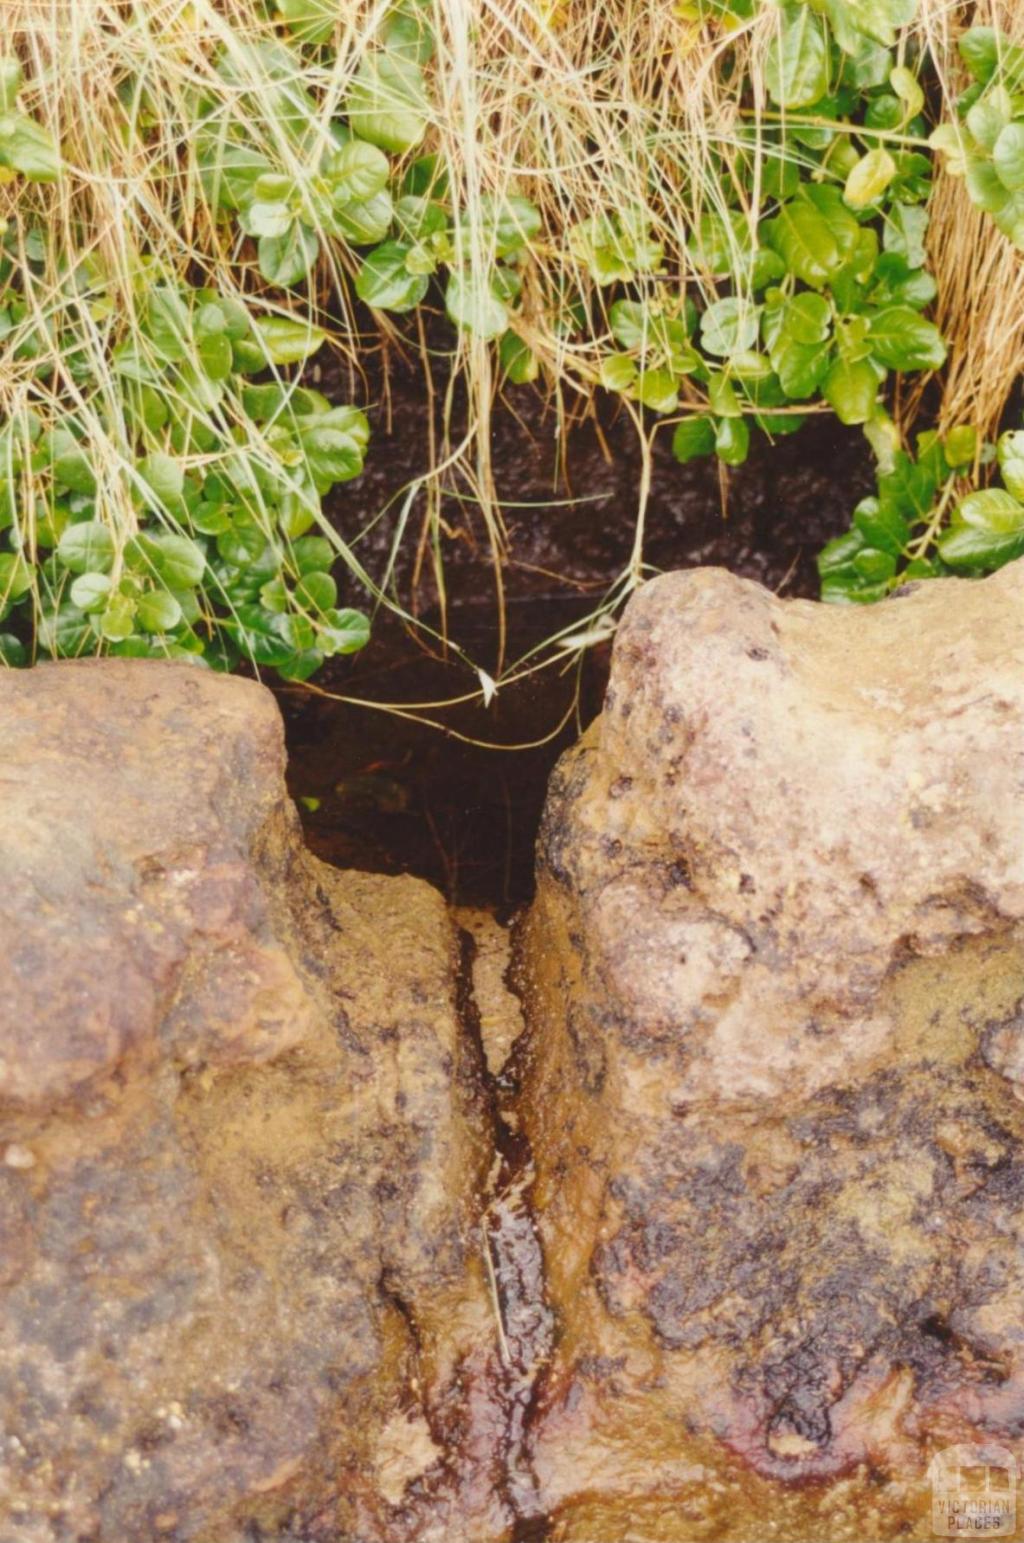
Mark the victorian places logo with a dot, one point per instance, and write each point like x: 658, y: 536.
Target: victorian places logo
x: 974, y: 1492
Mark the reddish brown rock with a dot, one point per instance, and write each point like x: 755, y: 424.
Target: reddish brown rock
x: 242, y: 1289
x: 774, y: 1073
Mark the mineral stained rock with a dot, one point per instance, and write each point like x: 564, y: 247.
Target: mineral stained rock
x: 269, y: 1266
x: 242, y: 1294
x: 775, y: 1067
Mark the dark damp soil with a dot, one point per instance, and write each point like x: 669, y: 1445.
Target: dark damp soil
x: 397, y: 796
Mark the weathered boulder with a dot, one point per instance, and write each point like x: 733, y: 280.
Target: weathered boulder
x: 242, y: 1144
x: 775, y: 1065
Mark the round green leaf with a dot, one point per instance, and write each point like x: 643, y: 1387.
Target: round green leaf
x: 869, y: 179
x: 176, y: 560
x: 117, y: 622
x: 979, y: 48
x: 366, y: 222
x: 211, y: 319
x: 16, y: 576
x: 1011, y: 461
x: 882, y: 525
x: 11, y: 78
x: 908, y: 88
x: 310, y: 21
x: 722, y: 398
x: 850, y: 389
x: 343, y: 632
x: 629, y: 324
x: 1008, y: 157
x: 988, y: 117
x: 967, y: 546
x: 519, y: 363
x: 26, y: 147
x: 264, y: 217
x: 215, y: 355
x: 312, y: 553
x: 257, y: 634
x: 287, y: 259
x: 799, y: 366
x: 87, y: 548
x: 961, y: 445
x: 729, y: 327
x: 874, y: 565
x: 806, y: 317
x: 302, y: 665
x: 13, y: 653
x: 242, y: 545
x: 90, y: 591
x: 471, y: 302
x: 657, y: 390
x: 167, y: 322
x: 334, y: 444
x: 297, y: 631
x: 164, y: 480
x: 797, y: 65
x: 732, y: 441
x: 316, y: 591
x: 387, y: 102
x: 992, y: 509
x: 805, y: 241
x: 358, y: 171
x: 904, y: 340
x: 385, y: 283
x: 70, y: 464
x: 618, y: 372
x: 287, y: 340
x: 693, y: 437
x: 297, y: 512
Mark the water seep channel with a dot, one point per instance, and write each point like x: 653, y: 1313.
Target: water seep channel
x: 491, y: 1017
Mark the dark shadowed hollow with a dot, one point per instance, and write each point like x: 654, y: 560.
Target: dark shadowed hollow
x: 392, y: 795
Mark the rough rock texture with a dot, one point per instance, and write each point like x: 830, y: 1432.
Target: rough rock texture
x: 775, y: 1068
x: 269, y: 1264
x: 242, y: 1293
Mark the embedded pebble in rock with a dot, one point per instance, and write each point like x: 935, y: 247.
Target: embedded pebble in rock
x: 241, y: 1289
x: 776, y: 1000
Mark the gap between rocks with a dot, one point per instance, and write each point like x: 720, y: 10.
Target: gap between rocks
x: 491, y: 1017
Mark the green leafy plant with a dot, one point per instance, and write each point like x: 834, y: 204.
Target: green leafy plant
x: 345, y: 183
x: 725, y: 254
x: 26, y: 148
x: 295, y: 183
x: 815, y: 302
x: 929, y: 520
x: 171, y: 506
x: 986, y: 145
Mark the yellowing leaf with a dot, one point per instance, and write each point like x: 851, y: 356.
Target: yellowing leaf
x: 908, y: 88
x: 869, y: 179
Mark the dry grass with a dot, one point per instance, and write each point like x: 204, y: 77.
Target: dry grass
x: 588, y: 110
x: 585, y: 108
x: 979, y: 273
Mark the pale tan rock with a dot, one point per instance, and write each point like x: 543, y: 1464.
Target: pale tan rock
x: 497, y: 1007
x: 775, y: 970
x: 248, y: 1245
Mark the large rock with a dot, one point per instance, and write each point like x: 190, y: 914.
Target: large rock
x: 775, y: 1066
x: 242, y: 1290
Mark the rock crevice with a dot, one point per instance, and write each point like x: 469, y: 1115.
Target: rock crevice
x: 314, y: 1228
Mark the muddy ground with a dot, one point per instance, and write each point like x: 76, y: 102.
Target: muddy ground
x: 393, y: 795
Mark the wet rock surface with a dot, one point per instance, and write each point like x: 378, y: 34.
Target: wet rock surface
x: 773, y: 1077
x: 304, y: 1238
x: 243, y: 1146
